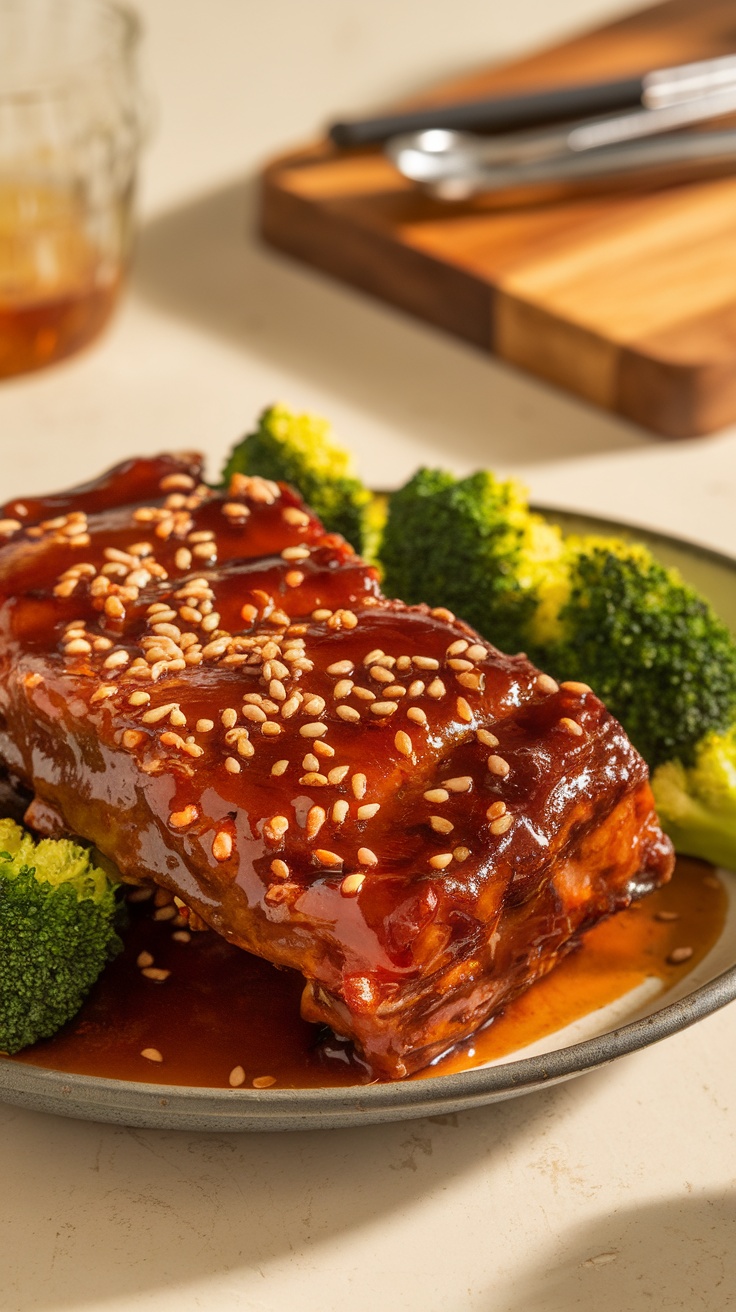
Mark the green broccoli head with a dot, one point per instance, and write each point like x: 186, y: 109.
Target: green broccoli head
x: 57, y: 932
x: 301, y: 450
x: 697, y: 804
x: 653, y: 649
x: 473, y: 545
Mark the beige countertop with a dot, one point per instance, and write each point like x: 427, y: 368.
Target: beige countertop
x: 614, y: 1192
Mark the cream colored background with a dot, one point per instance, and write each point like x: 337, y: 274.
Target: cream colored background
x: 614, y: 1193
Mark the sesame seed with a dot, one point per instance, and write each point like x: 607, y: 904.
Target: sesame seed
x: 476, y: 652
x: 473, y: 681
x: 232, y: 765
x: 326, y: 858
x: 275, y: 828
x: 102, y: 693
x: 571, y: 685
x: 279, y: 767
x: 321, y: 613
x: 458, y: 664
x: 380, y: 674
x: 295, y: 517
x: 132, y: 738
x: 416, y: 714
x: 679, y: 955
x: 312, y: 779
x: 291, y: 706
x: 384, y: 709
x: 352, y: 884
x: 403, y: 663
x: 425, y: 662
x: 173, y: 481
x: 373, y: 656
x: 316, y: 817
x: 457, y: 648
x: 9, y: 525
x: 461, y: 853
x: 462, y: 784
x: 178, y: 718
x: 502, y: 824
x: 339, y: 773
x: 236, y: 1077
x: 441, y: 861
x: 310, y: 762
x: 368, y: 811
x: 205, y: 726
x: 280, y: 869
x: 403, y: 743
x: 183, y: 558
x: 314, y: 730
x: 180, y: 819
x: 157, y: 713
x: 442, y: 613
x: 667, y: 915
x: 341, y: 667
x: 359, y: 785
x: 364, y: 694
x: 322, y: 748
x: 366, y: 857
x: 295, y: 553
x: 271, y: 729
x: 545, y: 683
x: 151, y: 1054
x: 440, y: 825
x: 139, y: 698
x: 463, y: 710
x: 497, y: 765
x: 144, y: 959
x: 348, y: 713
x: 248, y: 613
x: 340, y: 810
x: 486, y: 738
x: 495, y: 810
x: 165, y: 913
x: 222, y: 845
x: 264, y: 1081
x: 181, y: 936
x: 77, y: 647
x: 572, y: 726
x: 436, y: 689
x: 436, y: 795
x: 114, y: 608
x: 343, y: 688
x: 155, y: 973
x: 313, y: 705
x: 253, y: 713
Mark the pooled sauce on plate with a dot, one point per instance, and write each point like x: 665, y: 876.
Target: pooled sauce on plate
x: 221, y: 1008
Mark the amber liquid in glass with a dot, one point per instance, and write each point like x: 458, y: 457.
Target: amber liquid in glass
x: 57, y: 289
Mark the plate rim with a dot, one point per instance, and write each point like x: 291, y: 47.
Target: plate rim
x: 49, y: 1089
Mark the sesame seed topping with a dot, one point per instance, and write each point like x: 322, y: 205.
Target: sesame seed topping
x: 364, y: 694
x: 436, y: 795
x: 279, y: 767
x: 280, y: 869
x: 155, y: 973
x: 381, y: 674
x: 366, y: 857
x: 222, y: 845
x: 572, y: 726
x: 497, y: 765
x: 310, y: 762
x: 263, y: 1081
x: 442, y: 613
x: 78, y: 647
x: 313, y: 705
x: 275, y: 828
x: 232, y: 765
x: 205, y: 726
x: 679, y: 955
x: 326, y: 858
x: 236, y: 1077
x: 341, y: 667
x: 374, y: 655
x: 462, y: 784
x: 463, y: 710
x: 253, y: 713
x: 352, y: 884
x: 157, y: 713
x: 368, y: 811
x: 151, y: 1054
x: 181, y: 936
x: 473, y: 681
x: 416, y: 714
x: 457, y: 648
x: 143, y: 959
x: 571, y: 685
x: 476, y: 652
x: 295, y: 553
x: 340, y: 810
x: 359, y: 785
x: 180, y: 819
x: 312, y: 779
x: 486, y: 738
x: 502, y: 824
x: 440, y: 825
x: 313, y: 730
x: 132, y: 738
x: 165, y: 913
x: 425, y: 662
x: 270, y: 728
x: 441, y: 861
x: 339, y: 773
x: 495, y: 810
x: 316, y: 817
x: 384, y: 709
x: 403, y: 743
x: 436, y: 689
x: 545, y: 683
x: 139, y: 698
x: 348, y: 713
x: 295, y: 517
x: 459, y: 664
x: 461, y: 853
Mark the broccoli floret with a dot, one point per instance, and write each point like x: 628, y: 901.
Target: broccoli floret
x: 301, y: 450
x: 57, y: 932
x: 650, y: 646
x: 472, y: 545
x: 697, y: 805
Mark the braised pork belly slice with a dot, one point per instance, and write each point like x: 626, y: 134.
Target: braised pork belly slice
x: 214, y: 691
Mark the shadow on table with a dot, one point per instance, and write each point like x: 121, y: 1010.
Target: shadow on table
x: 202, y: 262
x: 102, y: 1213
x: 659, y: 1257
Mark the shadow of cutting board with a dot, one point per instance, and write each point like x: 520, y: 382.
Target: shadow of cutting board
x: 627, y: 299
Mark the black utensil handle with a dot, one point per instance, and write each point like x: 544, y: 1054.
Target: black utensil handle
x: 495, y: 114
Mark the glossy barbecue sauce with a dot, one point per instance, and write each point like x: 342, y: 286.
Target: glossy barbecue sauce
x: 221, y: 1008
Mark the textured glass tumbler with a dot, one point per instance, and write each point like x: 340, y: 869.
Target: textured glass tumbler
x: 70, y: 130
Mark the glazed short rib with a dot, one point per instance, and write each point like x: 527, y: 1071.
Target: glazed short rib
x: 216, y: 693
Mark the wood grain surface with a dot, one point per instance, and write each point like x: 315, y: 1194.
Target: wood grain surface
x: 626, y: 297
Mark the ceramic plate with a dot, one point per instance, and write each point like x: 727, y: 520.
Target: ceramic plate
x: 633, y: 1022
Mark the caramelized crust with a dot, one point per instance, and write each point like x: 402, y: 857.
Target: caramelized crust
x: 214, y: 691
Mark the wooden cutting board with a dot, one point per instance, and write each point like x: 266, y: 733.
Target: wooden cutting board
x: 627, y: 299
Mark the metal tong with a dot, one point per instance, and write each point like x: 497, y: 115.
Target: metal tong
x: 650, y: 141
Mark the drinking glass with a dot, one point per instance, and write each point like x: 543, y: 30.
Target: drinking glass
x: 70, y: 132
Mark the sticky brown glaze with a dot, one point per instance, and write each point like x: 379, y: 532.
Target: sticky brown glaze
x: 214, y: 691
